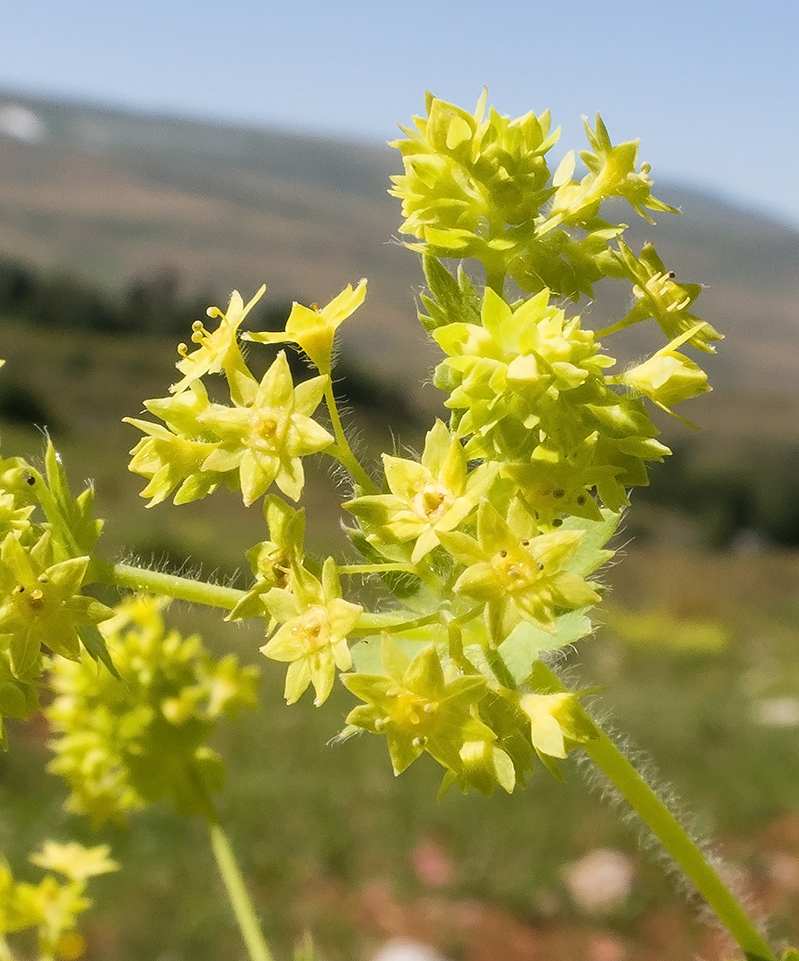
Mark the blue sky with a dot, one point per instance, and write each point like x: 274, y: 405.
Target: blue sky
x: 710, y: 88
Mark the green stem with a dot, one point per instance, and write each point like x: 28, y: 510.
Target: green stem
x: 500, y: 668
x: 375, y: 568
x: 613, y: 328
x: 674, y: 838
x: 342, y: 451
x: 456, y: 651
x: 372, y: 623
x: 495, y: 279
x: 240, y: 900
x: 169, y: 585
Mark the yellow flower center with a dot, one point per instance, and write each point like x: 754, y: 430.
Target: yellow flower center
x: 516, y: 570
x: 432, y: 501
x: 411, y: 712
x: 31, y: 603
x: 313, y: 629
x: 268, y: 428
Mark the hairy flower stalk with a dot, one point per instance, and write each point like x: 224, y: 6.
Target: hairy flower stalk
x: 481, y: 553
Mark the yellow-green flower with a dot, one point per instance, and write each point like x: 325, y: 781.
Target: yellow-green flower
x: 518, y: 573
x: 218, y: 350
x: 611, y: 173
x: 315, y: 622
x: 41, y: 603
x: 172, y: 456
x: 521, y: 368
x: 426, y: 498
x: 52, y: 906
x: 74, y: 861
x: 314, y: 328
x: 420, y: 709
x: 660, y: 296
x: 557, y: 722
x: 265, y: 437
x: 667, y: 377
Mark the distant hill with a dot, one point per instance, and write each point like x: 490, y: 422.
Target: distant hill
x: 117, y: 196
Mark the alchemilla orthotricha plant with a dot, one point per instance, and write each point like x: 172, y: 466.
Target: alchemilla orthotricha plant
x: 485, y: 547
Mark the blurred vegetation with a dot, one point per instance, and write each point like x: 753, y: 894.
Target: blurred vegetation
x: 696, y: 652
x: 735, y: 496
x: 734, y: 493
x: 153, y: 306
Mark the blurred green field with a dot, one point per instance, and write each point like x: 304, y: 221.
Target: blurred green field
x: 331, y: 842
x: 706, y: 683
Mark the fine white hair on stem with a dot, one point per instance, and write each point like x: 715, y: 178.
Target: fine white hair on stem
x: 600, y: 785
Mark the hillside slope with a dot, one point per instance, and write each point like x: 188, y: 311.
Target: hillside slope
x: 116, y: 196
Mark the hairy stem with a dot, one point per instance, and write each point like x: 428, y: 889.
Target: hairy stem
x: 500, y: 668
x: 168, y: 585
x: 375, y: 623
x: 354, y: 569
x: 342, y: 451
x: 678, y: 843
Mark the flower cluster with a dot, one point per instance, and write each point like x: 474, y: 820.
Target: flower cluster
x: 480, y: 187
x: 490, y: 539
x: 46, y: 542
x: 261, y: 436
x: 487, y: 542
x: 479, y: 554
x: 122, y: 743
x: 52, y: 906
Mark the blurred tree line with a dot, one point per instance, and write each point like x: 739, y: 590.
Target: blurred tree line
x: 154, y: 304
x: 738, y: 497
x: 740, y: 494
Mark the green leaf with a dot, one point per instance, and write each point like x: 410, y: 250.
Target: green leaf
x: 521, y: 648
